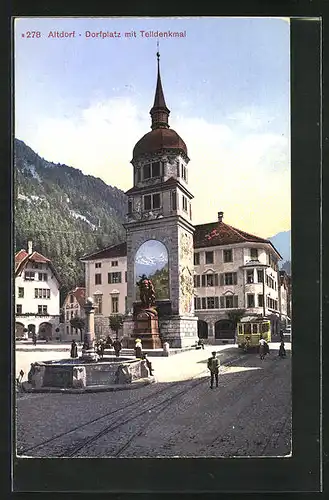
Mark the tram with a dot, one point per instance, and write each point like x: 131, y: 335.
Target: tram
x: 250, y: 330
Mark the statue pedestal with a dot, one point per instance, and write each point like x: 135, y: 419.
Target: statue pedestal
x: 146, y: 328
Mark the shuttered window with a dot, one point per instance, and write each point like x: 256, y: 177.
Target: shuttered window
x: 203, y: 280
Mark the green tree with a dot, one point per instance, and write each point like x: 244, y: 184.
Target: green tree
x: 79, y: 324
x: 236, y: 315
x: 116, y: 323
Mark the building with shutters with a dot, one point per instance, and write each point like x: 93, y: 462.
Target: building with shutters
x: 37, y: 300
x: 233, y: 271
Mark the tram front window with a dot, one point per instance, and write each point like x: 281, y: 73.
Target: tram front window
x: 254, y: 329
x: 247, y: 328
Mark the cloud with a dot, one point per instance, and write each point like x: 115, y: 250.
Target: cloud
x: 251, y: 118
x: 246, y: 175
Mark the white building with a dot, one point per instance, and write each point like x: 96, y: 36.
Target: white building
x: 37, y: 300
x: 285, y: 299
x: 73, y: 306
x: 106, y: 283
x: 233, y: 271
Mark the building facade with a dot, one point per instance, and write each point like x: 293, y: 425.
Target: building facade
x: 73, y: 307
x: 37, y: 299
x: 234, y: 273
x: 106, y: 283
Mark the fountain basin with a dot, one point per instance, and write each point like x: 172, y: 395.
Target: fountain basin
x: 76, y: 374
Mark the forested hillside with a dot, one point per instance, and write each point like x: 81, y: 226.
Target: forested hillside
x: 64, y: 212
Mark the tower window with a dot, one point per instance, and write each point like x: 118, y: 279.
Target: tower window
x: 147, y: 202
x: 156, y: 200
x: 130, y: 206
x: 184, y: 203
x: 156, y: 169
x: 146, y: 171
x: 174, y: 200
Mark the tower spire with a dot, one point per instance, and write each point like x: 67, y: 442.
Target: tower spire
x: 159, y: 112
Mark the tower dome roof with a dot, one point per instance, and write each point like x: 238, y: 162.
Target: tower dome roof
x: 161, y: 136
x: 157, y: 139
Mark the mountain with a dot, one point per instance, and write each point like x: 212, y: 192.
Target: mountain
x: 64, y: 212
x: 281, y: 241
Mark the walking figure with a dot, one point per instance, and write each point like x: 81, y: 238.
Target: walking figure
x: 281, y: 335
x: 138, y: 348
x: 34, y: 338
x: 213, y: 366
x: 117, y: 346
x: 74, y: 349
x: 263, y: 348
x: 200, y: 343
x: 282, y: 350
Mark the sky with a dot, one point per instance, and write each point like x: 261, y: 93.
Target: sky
x: 84, y: 101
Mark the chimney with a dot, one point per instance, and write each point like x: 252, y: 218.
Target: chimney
x: 220, y: 216
x: 29, y: 247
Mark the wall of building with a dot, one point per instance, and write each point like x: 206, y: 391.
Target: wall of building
x: 30, y: 304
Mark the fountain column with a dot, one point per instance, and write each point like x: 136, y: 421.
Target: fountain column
x: 88, y: 352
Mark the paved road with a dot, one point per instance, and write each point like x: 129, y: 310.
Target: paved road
x: 249, y: 414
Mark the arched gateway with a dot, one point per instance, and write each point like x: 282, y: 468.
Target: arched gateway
x: 224, y: 329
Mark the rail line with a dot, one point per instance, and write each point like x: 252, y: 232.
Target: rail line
x: 118, y: 422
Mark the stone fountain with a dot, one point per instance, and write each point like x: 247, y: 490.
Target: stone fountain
x: 88, y: 372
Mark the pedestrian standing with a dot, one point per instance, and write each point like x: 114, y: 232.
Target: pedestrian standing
x: 213, y: 366
x: 148, y: 363
x: 281, y: 335
x: 74, y: 349
x: 117, y: 346
x: 34, y: 338
x: 262, y: 348
x: 282, y: 350
x: 138, y: 348
x: 200, y: 343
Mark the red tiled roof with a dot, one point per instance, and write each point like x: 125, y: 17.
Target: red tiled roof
x: 218, y: 233
x: 80, y: 295
x: 22, y: 258
x: 119, y: 250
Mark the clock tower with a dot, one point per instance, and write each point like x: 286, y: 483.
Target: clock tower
x: 159, y: 226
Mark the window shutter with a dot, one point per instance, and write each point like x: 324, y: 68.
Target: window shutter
x: 198, y: 279
x: 222, y: 302
x: 216, y: 303
x: 195, y: 303
x: 235, y: 299
x: 204, y: 303
x: 203, y: 280
x: 216, y: 280
x: 235, y: 278
x: 195, y: 281
x: 221, y: 279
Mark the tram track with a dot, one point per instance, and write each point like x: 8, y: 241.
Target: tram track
x: 118, y: 422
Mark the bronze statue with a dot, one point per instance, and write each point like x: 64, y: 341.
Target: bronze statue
x: 147, y: 292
